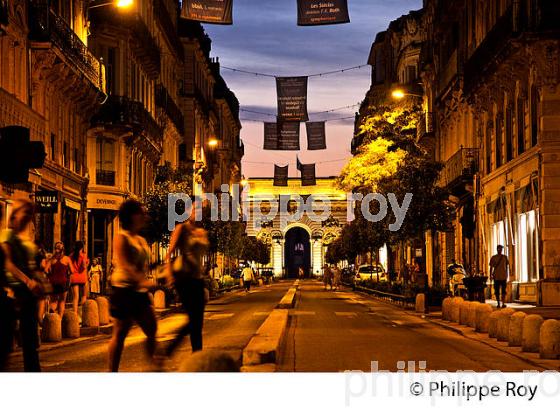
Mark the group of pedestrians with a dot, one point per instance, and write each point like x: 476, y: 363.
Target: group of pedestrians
x: 332, y: 276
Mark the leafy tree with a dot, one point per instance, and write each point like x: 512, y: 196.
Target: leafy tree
x: 168, y: 180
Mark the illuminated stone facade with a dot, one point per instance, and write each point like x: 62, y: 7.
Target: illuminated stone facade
x: 301, y: 242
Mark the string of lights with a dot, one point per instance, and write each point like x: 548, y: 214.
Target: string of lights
x: 314, y: 113
x: 329, y: 120
x: 322, y: 74
x: 294, y: 162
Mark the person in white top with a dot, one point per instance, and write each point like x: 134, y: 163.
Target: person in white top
x: 129, y: 298
x: 247, y: 277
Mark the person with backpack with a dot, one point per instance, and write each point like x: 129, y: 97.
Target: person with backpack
x: 499, y: 264
x: 59, y: 270
x: 186, y: 273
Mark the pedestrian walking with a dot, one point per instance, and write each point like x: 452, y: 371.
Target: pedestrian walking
x: 7, y: 312
x: 337, y: 277
x: 79, y: 278
x: 499, y: 264
x: 301, y: 272
x: 95, y: 275
x: 248, y: 277
x: 186, y: 273
x: 129, y: 299
x: 59, y: 270
x: 327, y: 276
x: 20, y: 257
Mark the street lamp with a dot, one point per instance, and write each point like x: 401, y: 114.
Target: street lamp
x: 121, y: 4
x: 213, y: 142
x: 399, y: 94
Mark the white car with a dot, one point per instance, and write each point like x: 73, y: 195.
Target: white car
x: 373, y: 272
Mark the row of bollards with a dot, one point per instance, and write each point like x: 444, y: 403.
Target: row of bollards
x: 95, y: 313
x: 530, y: 332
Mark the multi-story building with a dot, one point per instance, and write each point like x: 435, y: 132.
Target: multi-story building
x: 212, y: 145
x: 167, y: 104
x: 51, y: 83
x: 395, y: 61
x: 495, y: 77
x: 490, y: 74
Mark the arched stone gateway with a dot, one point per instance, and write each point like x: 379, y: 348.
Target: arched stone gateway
x: 296, y: 240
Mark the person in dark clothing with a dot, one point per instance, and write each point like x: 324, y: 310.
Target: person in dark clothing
x: 20, y: 254
x: 7, y: 314
x: 186, y: 273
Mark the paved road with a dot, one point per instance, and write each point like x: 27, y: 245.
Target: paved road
x: 230, y: 322
x: 338, y: 331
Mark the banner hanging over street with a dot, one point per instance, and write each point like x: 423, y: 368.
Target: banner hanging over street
x: 316, y: 135
x: 308, y: 175
x: 281, y: 175
x: 270, y: 136
x: 288, y: 136
x: 281, y: 136
x: 208, y: 11
x: 292, y: 98
x: 319, y: 12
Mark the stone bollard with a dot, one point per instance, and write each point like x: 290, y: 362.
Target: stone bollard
x: 483, y: 312
x: 52, y: 328
x: 209, y: 361
x: 90, y: 314
x: 420, y: 303
x: 261, y: 282
x: 550, y: 339
x: 456, y: 309
x: 493, y: 324
x: 464, y: 312
x: 103, y: 308
x: 530, y: 337
x: 446, y: 309
x: 503, y: 324
x: 471, y: 315
x: 516, y: 329
x: 70, y: 325
x: 159, y: 299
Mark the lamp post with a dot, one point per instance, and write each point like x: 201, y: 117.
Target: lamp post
x: 121, y: 4
x: 399, y: 94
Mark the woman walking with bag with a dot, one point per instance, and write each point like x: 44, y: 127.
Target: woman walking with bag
x: 191, y: 243
x: 129, y: 299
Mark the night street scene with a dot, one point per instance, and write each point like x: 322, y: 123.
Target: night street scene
x: 308, y: 187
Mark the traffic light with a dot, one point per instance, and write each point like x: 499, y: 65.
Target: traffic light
x: 18, y: 154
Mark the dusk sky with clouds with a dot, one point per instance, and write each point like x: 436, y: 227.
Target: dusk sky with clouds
x: 265, y: 38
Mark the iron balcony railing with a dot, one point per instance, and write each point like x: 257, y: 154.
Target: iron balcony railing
x: 166, y: 102
x: 46, y: 26
x: 106, y: 178
x: 125, y: 112
x: 460, y: 167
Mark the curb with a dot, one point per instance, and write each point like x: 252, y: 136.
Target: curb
x: 442, y: 324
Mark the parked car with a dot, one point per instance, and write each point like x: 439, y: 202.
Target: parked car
x: 347, y: 275
x: 373, y: 272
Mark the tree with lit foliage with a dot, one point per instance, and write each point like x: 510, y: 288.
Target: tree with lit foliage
x: 168, y: 180
x: 390, y: 160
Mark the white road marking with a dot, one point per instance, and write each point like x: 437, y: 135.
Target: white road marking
x: 219, y: 316
x: 262, y: 313
x: 346, y: 314
x: 302, y: 313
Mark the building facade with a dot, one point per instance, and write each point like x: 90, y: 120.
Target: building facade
x: 490, y: 76
x: 51, y: 82
x: 303, y: 241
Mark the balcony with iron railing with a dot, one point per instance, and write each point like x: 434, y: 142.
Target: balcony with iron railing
x: 105, y: 21
x: 121, y: 111
x: 104, y: 177
x: 459, y: 170
x: 47, y: 26
x: 167, y: 104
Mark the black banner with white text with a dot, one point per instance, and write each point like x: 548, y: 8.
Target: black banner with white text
x: 281, y: 175
x: 208, y: 11
x: 316, y: 135
x: 292, y: 98
x: 308, y: 174
x: 319, y: 12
